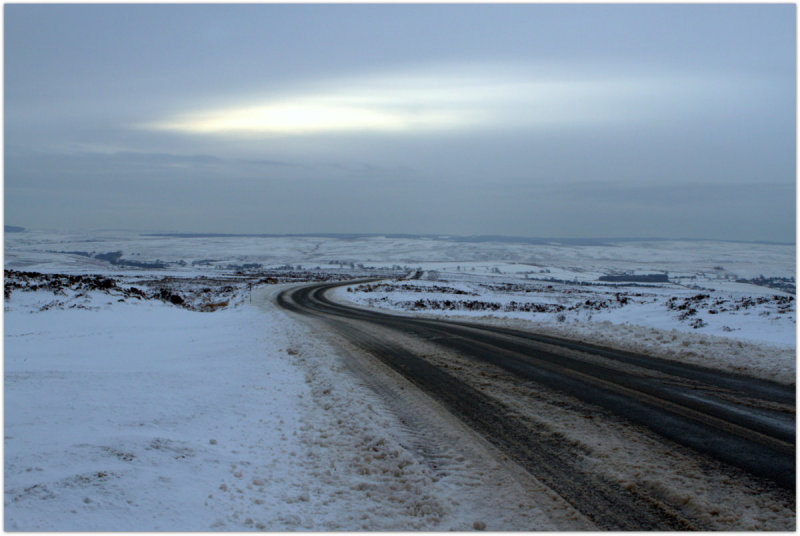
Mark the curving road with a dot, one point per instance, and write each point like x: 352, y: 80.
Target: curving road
x: 742, y: 421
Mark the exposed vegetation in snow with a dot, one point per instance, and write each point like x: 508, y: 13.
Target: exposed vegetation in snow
x: 745, y: 329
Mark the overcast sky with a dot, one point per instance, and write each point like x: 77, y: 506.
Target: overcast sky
x: 528, y: 120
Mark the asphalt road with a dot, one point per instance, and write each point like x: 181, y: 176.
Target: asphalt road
x: 741, y: 421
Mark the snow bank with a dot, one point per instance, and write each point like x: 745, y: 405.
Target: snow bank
x: 770, y: 362
x: 750, y: 331
x: 145, y: 417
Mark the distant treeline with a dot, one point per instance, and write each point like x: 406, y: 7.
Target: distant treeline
x: 786, y: 284
x: 630, y: 278
x: 115, y: 259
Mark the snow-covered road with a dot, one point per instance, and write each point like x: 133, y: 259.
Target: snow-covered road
x: 569, y: 444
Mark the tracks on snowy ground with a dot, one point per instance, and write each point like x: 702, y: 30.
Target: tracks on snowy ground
x: 744, y: 422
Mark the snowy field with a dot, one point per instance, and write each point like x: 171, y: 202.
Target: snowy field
x: 134, y: 410
x: 48, y: 252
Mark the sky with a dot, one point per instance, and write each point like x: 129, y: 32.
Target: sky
x: 522, y: 120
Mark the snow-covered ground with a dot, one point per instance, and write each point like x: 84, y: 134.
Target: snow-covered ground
x: 60, y: 252
x: 129, y: 414
x: 131, y: 410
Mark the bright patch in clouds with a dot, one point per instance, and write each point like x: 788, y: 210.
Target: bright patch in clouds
x: 445, y: 99
x: 305, y: 116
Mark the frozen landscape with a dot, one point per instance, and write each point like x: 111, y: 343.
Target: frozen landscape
x: 151, y: 383
x: 206, y: 330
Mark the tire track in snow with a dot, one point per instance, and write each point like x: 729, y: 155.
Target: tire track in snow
x: 512, y: 437
x: 549, y: 460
